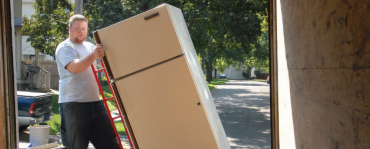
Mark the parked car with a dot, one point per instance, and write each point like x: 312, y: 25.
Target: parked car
x: 222, y: 76
x: 33, y: 108
x: 268, y: 79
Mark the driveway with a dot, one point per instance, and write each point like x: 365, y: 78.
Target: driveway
x: 244, y: 109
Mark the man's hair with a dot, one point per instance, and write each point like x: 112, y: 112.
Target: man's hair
x: 76, y: 17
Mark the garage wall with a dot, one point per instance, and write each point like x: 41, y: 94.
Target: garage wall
x: 231, y: 73
x: 323, y: 52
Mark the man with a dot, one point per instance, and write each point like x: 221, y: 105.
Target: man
x: 83, y: 115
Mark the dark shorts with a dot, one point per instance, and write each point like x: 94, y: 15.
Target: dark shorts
x: 84, y: 122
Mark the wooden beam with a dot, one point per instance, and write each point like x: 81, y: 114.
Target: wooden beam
x: 8, y: 116
x: 273, y: 76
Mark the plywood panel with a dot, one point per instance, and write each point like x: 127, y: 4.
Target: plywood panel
x: 135, y: 43
x: 162, y: 105
x: 323, y: 73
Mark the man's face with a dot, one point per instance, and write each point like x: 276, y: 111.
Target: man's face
x: 78, y: 31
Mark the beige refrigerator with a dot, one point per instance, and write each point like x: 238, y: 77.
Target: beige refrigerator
x: 159, y: 82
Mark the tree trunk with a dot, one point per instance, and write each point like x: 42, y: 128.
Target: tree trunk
x: 209, y: 71
x: 215, y: 74
x: 209, y: 63
x: 203, y: 55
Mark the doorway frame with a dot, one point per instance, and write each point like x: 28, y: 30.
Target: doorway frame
x: 8, y: 106
x: 274, y: 105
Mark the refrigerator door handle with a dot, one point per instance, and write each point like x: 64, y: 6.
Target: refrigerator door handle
x: 151, y: 16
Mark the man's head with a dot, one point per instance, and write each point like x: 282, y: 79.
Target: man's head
x: 77, y: 28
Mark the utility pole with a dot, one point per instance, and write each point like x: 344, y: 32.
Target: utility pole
x: 78, y: 7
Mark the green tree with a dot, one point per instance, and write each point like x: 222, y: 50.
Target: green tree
x: 49, y: 25
x: 226, y: 31
x: 259, y: 56
x: 102, y: 13
x: 219, y: 29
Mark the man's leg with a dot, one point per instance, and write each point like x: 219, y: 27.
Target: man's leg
x: 78, y: 124
x: 102, y: 135
x: 62, y: 126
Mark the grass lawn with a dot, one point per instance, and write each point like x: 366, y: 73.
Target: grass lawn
x: 214, y: 82
x: 259, y: 80
x: 55, y: 122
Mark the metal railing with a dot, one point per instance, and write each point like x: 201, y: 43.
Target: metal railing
x: 28, y: 72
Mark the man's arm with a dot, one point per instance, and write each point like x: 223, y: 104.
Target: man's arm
x: 77, y: 65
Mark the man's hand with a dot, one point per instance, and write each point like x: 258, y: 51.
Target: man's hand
x: 98, y: 51
x: 77, y: 65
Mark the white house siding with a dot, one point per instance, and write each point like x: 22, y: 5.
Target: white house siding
x: 252, y: 72
x: 27, y: 8
x: 18, y: 53
x: 27, y: 50
x: 17, y: 8
x: 231, y: 73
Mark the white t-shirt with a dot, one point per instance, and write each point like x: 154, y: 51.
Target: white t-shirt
x: 80, y: 87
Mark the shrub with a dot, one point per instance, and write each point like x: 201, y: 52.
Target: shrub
x: 246, y: 74
x: 257, y: 73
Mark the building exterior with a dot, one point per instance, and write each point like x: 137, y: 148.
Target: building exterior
x: 28, y: 52
x: 234, y: 74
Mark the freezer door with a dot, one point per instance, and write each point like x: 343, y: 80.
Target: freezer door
x: 136, y: 43
x: 165, y: 109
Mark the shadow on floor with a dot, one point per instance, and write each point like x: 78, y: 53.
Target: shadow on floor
x: 244, y: 110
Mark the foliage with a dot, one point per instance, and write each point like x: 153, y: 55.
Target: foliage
x: 259, y: 56
x: 49, y: 25
x: 257, y: 72
x: 55, y: 121
x: 220, y: 65
x: 120, y: 128
x: 107, y: 94
x: 246, y: 74
x: 101, y: 13
x: 225, y: 31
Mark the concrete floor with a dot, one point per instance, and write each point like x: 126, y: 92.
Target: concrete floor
x: 244, y: 109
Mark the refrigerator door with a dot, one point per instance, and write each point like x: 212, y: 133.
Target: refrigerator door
x: 165, y: 109
x: 198, y: 76
x: 136, y: 43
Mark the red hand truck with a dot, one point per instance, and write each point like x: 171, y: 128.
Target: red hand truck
x: 106, y: 105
